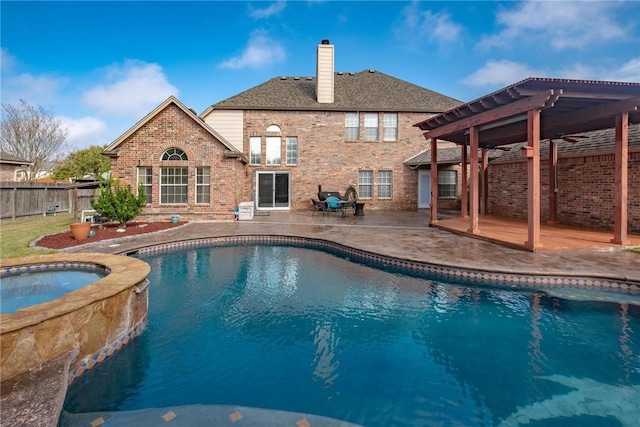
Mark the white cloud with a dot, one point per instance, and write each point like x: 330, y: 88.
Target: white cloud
x: 500, y: 73
x: 40, y: 90
x: 273, y: 9
x: 84, y: 132
x: 559, y: 24
x: 415, y: 25
x: 7, y: 61
x: 132, y: 89
x: 628, y: 72
x: 261, y: 50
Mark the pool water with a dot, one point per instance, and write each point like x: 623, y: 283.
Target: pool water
x: 30, y: 288
x: 292, y: 329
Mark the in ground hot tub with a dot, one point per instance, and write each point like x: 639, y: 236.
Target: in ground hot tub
x: 96, y: 320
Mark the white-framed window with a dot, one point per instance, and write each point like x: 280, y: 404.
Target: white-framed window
x: 145, y: 180
x: 447, y: 183
x: 390, y: 127
x: 255, y: 150
x: 371, y: 126
x: 292, y: 150
x: 173, y: 184
x: 384, y: 184
x: 351, y: 126
x: 365, y: 184
x: 274, y: 150
x: 203, y: 185
x: 174, y: 154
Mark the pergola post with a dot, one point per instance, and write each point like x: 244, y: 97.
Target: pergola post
x: 464, y: 207
x: 474, y: 196
x: 434, y: 181
x: 621, y: 171
x: 553, y: 185
x: 485, y: 181
x: 532, y: 153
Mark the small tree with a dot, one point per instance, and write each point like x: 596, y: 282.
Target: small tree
x: 118, y: 203
x: 32, y: 133
x: 78, y: 164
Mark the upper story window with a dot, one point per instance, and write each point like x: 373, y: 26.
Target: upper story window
x: 274, y: 150
x: 371, y: 126
x: 174, y: 154
x: 390, y: 124
x: 274, y: 128
x: 292, y: 150
x: 255, y: 150
x: 351, y: 126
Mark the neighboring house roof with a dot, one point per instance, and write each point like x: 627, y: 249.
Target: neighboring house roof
x: 367, y: 90
x: 446, y: 156
x: 596, y: 142
x: 112, y: 149
x: 11, y: 159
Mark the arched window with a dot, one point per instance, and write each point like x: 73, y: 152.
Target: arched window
x: 174, y: 179
x: 174, y: 154
x: 274, y: 128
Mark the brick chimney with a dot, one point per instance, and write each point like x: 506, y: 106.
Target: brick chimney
x: 324, y: 73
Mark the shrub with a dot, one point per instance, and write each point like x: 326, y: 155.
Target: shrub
x: 118, y: 203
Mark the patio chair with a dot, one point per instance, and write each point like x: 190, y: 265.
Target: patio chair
x: 333, y: 204
x: 318, y: 206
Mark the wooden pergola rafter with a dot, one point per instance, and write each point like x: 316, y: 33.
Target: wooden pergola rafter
x: 532, y: 110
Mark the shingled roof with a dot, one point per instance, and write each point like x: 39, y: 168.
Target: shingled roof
x: 367, y: 90
x: 597, y: 141
x: 10, y: 158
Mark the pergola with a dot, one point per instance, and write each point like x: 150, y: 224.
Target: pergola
x: 531, y: 110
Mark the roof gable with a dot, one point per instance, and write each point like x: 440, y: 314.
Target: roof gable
x: 113, y: 147
x: 367, y: 90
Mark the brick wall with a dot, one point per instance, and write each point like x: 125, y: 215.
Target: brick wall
x: 325, y: 158
x: 585, y: 190
x: 173, y: 128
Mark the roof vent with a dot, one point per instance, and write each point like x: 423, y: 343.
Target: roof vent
x: 372, y: 71
x: 352, y: 74
x: 296, y: 78
x: 283, y: 78
x: 340, y: 73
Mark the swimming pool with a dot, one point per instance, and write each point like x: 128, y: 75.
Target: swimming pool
x: 293, y: 329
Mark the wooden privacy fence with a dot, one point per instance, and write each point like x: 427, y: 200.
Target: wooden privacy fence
x: 19, y: 199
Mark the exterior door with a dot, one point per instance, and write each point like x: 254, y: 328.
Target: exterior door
x: 424, y: 189
x: 273, y: 190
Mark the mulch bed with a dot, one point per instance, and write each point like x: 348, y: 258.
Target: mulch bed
x: 104, y: 232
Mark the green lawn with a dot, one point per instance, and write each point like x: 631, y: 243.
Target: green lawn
x: 15, y: 236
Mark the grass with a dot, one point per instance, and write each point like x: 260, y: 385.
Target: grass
x: 636, y: 250
x: 15, y: 236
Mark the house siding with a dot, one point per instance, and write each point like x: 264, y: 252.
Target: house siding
x: 325, y: 158
x: 585, y: 190
x: 228, y: 123
x: 171, y: 127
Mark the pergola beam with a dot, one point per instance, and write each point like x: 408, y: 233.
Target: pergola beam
x: 542, y: 100
x: 594, y: 113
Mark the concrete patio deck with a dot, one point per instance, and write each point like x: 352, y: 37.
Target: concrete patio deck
x: 404, y: 235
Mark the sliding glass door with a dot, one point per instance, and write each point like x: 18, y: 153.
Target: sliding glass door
x: 273, y: 190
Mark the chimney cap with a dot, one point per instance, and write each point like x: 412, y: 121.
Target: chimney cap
x: 325, y: 41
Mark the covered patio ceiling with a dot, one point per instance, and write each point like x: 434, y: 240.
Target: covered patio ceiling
x: 567, y: 107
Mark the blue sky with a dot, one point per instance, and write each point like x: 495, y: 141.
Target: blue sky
x: 102, y: 66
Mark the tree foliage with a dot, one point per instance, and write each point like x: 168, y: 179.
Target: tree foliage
x: 32, y: 133
x: 118, y: 203
x: 80, y: 163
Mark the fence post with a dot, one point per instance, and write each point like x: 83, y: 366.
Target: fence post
x: 44, y: 203
x: 14, y: 190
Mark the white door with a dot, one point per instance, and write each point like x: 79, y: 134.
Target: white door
x: 424, y: 189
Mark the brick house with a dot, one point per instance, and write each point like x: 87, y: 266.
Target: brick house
x: 13, y: 168
x: 275, y: 143
x: 584, y: 180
